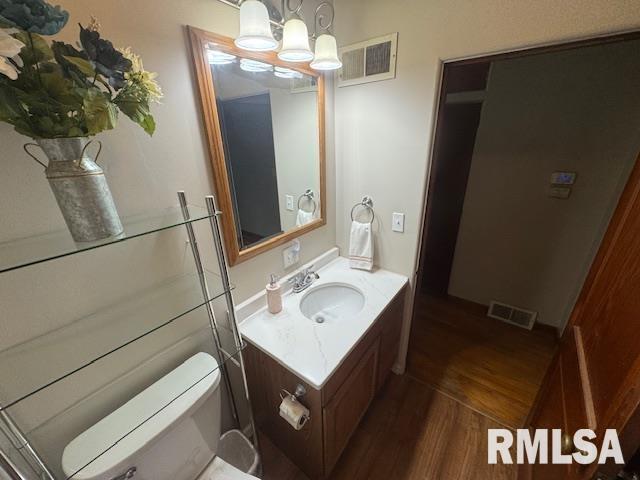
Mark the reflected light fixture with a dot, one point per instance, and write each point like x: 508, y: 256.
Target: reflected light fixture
x: 255, y: 66
x: 216, y: 57
x: 256, y: 35
x: 255, y: 28
x: 284, y: 72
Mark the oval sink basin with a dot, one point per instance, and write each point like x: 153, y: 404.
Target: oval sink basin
x: 333, y: 301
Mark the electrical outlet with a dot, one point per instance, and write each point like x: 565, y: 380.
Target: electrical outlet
x: 291, y: 254
x: 289, y: 199
x: 397, y: 222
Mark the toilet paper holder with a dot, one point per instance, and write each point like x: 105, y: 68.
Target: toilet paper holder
x: 299, y: 392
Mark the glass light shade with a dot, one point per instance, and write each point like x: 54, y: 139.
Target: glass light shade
x: 216, y: 57
x: 326, y: 57
x: 255, y: 29
x: 295, y: 42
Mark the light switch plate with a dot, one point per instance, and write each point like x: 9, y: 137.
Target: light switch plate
x: 560, y: 192
x: 291, y: 254
x: 289, y: 199
x: 397, y: 222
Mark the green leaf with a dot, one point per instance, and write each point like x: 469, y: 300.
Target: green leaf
x: 134, y: 104
x: 36, y: 48
x: 100, y: 113
x: 76, y: 132
x: 149, y: 124
x: 55, y: 84
x: 24, y: 128
x: 10, y: 107
x: 81, y: 64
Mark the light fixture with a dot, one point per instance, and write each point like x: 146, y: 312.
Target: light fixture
x: 295, y: 42
x: 216, y: 57
x: 255, y: 28
x: 256, y: 35
x: 283, y: 72
x: 326, y: 57
x: 255, y: 66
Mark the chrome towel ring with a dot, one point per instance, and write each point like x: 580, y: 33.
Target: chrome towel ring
x: 310, y: 196
x: 367, y: 202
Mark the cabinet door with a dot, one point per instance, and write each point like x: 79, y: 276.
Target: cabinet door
x: 343, y: 413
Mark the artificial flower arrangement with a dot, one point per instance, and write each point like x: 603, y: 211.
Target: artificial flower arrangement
x: 61, y: 95
x: 57, y: 90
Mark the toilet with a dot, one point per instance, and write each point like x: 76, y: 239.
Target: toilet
x: 178, y: 442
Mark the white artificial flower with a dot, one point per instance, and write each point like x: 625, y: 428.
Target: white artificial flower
x: 9, y: 49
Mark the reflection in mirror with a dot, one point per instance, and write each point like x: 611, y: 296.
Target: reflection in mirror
x: 268, y: 117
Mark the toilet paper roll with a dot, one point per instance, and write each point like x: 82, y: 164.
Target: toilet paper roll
x: 294, y: 412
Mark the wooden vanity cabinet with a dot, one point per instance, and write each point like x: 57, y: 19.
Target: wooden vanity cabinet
x: 343, y: 413
x: 338, y: 408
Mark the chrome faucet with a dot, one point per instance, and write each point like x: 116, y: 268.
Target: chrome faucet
x: 303, y: 279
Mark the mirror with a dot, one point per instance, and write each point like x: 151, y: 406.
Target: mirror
x: 265, y: 127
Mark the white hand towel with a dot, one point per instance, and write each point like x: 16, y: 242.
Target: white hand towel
x: 361, y: 246
x: 304, y: 217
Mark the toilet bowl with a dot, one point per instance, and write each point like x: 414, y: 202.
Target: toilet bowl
x: 169, y: 431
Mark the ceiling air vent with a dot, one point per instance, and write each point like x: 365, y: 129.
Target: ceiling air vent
x: 368, y: 61
x: 514, y: 315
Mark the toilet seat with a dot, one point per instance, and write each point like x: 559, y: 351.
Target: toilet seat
x: 218, y: 469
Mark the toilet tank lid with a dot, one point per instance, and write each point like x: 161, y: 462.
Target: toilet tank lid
x: 105, y: 448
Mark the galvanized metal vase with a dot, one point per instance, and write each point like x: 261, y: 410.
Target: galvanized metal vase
x: 80, y: 188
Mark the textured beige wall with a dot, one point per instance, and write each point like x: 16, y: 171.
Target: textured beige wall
x: 575, y: 111
x: 144, y: 173
x: 383, y: 130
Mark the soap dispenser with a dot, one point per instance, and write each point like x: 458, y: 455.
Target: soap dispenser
x: 274, y: 295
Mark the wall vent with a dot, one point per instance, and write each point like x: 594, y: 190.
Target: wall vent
x: 305, y: 84
x: 369, y: 61
x: 514, y: 315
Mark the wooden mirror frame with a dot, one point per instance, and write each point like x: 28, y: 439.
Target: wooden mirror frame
x: 200, y: 39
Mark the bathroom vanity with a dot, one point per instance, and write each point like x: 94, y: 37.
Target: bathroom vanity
x: 340, y: 354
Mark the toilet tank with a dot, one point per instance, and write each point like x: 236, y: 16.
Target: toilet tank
x: 177, y: 434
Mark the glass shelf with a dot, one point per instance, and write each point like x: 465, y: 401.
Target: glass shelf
x: 42, y: 248
x: 33, y: 366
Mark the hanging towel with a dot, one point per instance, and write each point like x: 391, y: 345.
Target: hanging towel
x: 304, y: 217
x: 361, y: 246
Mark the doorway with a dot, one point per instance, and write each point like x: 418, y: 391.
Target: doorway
x: 252, y: 166
x: 532, y: 151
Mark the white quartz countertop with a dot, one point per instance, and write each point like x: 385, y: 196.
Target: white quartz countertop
x: 311, y: 350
